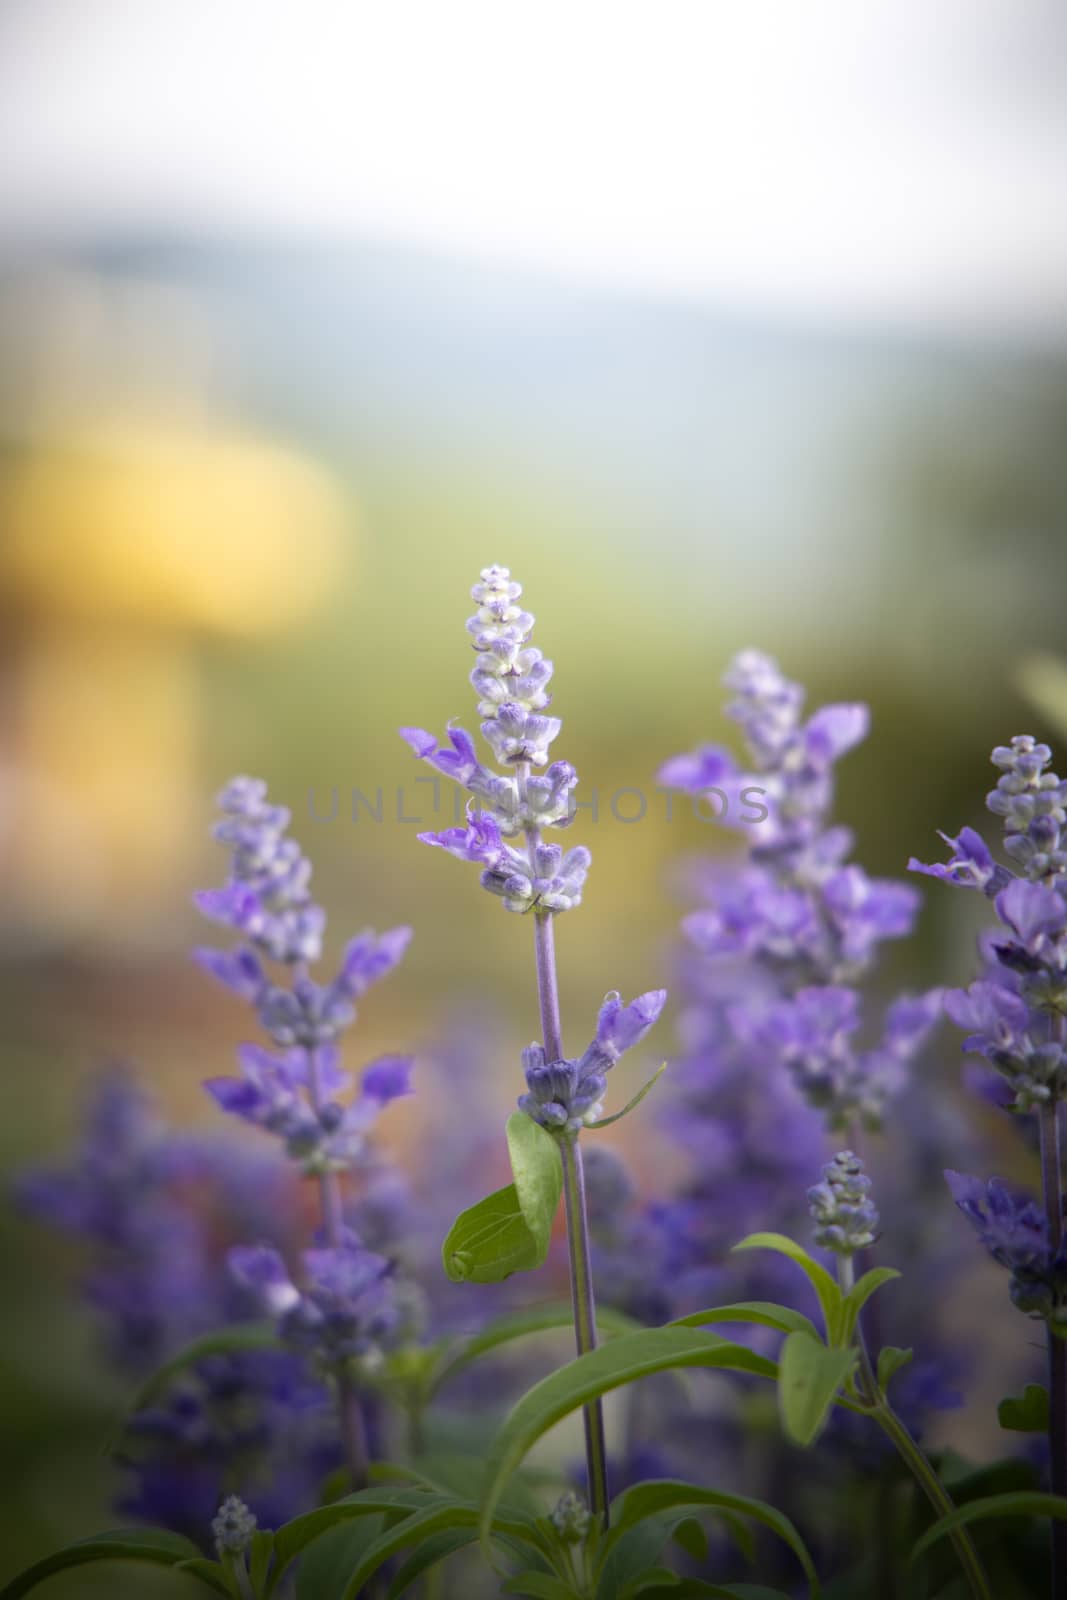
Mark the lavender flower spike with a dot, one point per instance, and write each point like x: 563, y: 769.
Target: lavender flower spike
x: 841, y: 1207
x: 233, y: 1526
x: 509, y: 809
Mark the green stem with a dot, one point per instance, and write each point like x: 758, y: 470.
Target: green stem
x: 935, y: 1492
x: 911, y: 1455
x: 582, y: 1298
x: 584, y: 1317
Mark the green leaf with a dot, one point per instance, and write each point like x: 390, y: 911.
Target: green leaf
x: 860, y: 1293
x: 292, y: 1539
x: 809, y: 1377
x: 830, y: 1296
x: 209, y: 1572
x: 631, y: 1356
x: 890, y: 1361
x: 259, y: 1553
x: 1021, y: 1503
x: 424, y: 1525
x: 645, y: 1500
x: 428, y: 1554
x: 1028, y: 1414
x: 538, y: 1586
x: 154, y: 1545
x: 763, y: 1312
x: 692, y: 1538
x: 518, y: 1325
x: 656, y: 1579
x: 325, y: 1566
x: 509, y: 1231
x: 696, y: 1587
x: 605, y: 1122
x: 491, y: 1240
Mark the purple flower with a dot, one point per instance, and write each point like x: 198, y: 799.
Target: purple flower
x: 511, y: 680
x: 972, y: 863
x: 568, y: 1095
x: 460, y: 763
x: 1036, y: 914
x: 1013, y: 1230
x: 387, y: 1078
x: 710, y: 766
x: 479, y: 841
x: 369, y: 958
x: 261, y: 1270
x: 798, y: 906
x: 293, y: 1094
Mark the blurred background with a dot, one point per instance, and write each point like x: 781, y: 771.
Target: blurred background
x: 719, y: 326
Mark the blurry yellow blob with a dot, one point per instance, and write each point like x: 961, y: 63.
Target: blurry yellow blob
x: 196, y: 531
x: 125, y: 546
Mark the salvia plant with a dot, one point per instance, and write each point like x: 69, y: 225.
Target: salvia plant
x: 306, y: 1418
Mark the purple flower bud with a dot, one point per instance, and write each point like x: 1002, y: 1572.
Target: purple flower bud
x: 387, y: 1078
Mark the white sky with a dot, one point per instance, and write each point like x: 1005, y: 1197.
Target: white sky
x: 905, y: 159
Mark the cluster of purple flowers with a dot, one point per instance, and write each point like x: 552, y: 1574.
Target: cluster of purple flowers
x: 567, y: 1095
x: 772, y: 1028
x: 796, y: 909
x: 1015, y: 1231
x: 347, y: 1309
x: 156, y: 1214
x: 1015, y: 1013
x: 508, y: 811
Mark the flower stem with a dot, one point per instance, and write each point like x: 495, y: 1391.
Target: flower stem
x: 350, y: 1411
x: 582, y: 1298
x: 1052, y: 1185
x: 935, y: 1492
x: 911, y: 1454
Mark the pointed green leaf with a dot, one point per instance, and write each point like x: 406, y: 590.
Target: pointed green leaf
x: 259, y: 1553
x: 860, y: 1293
x: 209, y: 1572
x: 518, y: 1325
x: 890, y: 1361
x: 430, y: 1553
x: 1020, y: 1503
x: 537, y: 1170
x: 538, y: 1586
x: 325, y: 1565
x: 809, y: 1377
x: 440, y: 1518
x: 391, y: 1503
x: 1025, y: 1414
x: 491, y: 1240
x: 763, y: 1312
x: 695, y: 1588
x: 830, y: 1296
x: 692, y: 1538
x: 645, y: 1500
x: 509, y: 1231
x: 657, y: 1580
x: 156, y: 1546
x: 605, y: 1122
x: 625, y: 1359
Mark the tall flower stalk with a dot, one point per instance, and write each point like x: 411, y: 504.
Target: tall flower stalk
x: 506, y: 818
x: 1015, y: 1015
x: 346, y: 1306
